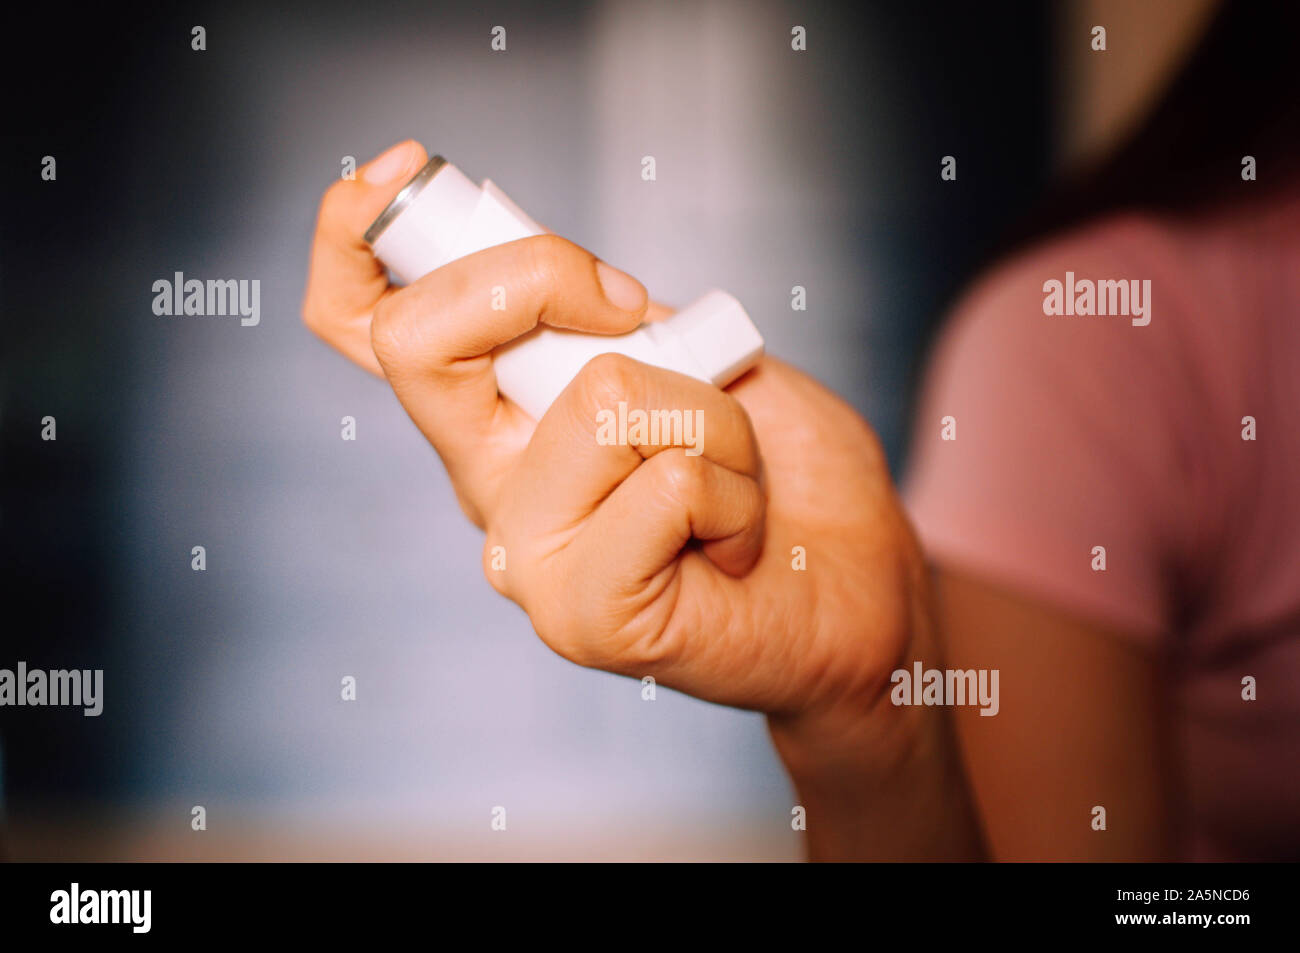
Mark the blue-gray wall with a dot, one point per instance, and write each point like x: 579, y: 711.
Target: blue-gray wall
x: 327, y: 557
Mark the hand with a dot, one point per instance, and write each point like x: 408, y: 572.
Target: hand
x: 641, y: 560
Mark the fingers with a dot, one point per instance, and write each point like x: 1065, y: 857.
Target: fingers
x: 346, y: 281
x: 601, y: 506
x: 434, y: 338
x: 607, y: 600
x: 669, y: 500
x: 616, y: 413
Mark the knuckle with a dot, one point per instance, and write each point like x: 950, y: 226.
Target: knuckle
x: 546, y: 254
x: 739, y: 422
x: 739, y: 417
x: 555, y: 626
x: 578, y: 651
x: 544, y: 266
x: 385, y: 333
x: 683, y: 478
x: 566, y: 627
x: 608, y: 378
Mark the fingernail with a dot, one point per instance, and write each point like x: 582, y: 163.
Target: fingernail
x: 389, y: 165
x: 621, y: 289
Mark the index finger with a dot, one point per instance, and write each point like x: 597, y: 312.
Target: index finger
x: 346, y: 281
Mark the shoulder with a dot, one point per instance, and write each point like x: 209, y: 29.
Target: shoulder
x: 1044, y: 431
x: 1087, y: 287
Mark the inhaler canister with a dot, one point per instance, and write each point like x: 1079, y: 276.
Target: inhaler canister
x: 441, y: 215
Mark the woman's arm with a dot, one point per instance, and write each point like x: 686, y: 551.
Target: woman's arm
x: 1078, y: 726
x: 1081, y: 725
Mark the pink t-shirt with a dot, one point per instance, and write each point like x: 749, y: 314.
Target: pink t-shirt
x: 1075, y: 431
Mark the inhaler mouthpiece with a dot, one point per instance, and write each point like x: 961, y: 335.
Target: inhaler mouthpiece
x: 441, y: 215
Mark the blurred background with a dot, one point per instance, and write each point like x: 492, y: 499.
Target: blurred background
x: 326, y: 558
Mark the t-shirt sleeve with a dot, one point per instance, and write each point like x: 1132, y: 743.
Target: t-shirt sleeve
x: 1045, y: 454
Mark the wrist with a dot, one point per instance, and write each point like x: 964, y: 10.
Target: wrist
x: 854, y: 739
x: 880, y: 781
x: 852, y: 723
x: 889, y: 789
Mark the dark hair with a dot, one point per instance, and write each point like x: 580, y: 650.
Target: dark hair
x: 1238, y: 94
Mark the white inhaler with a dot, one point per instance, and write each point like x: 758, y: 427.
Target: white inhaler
x: 441, y: 215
